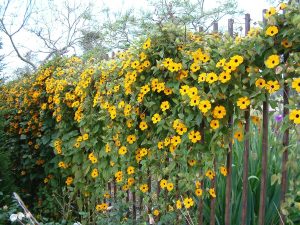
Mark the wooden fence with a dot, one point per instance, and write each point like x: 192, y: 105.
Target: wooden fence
x: 137, y: 204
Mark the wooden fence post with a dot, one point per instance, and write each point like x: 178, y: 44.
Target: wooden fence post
x: 285, y: 144
x: 215, y: 27
x: 229, y: 155
x: 134, y: 207
x: 246, y: 147
x: 262, y: 202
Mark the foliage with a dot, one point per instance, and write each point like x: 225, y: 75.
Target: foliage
x: 153, y: 121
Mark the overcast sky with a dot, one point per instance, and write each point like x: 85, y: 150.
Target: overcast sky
x: 254, y: 7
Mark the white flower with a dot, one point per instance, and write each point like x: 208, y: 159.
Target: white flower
x: 77, y: 223
x: 20, y: 215
x: 13, y: 217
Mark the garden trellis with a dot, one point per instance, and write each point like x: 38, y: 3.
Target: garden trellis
x: 150, y: 133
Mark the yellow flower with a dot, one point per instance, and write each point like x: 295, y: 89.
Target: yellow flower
x: 295, y: 116
x: 285, y: 43
x: 230, y: 66
x: 106, y: 195
x: 204, y: 57
x: 210, y: 174
x: 102, y: 207
x: 175, y: 140
x: 236, y: 60
x: 178, y: 204
x: 143, y: 125
x: 130, y: 170
x: 125, y: 187
x: 85, y: 137
x: 195, y: 101
x: 219, y: 112
x: 223, y: 171
x: 131, y: 138
x: 260, y: 83
x: 270, y: 12
x: 107, y: 148
x: 221, y: 63
x: 167, y: 141
x: 192, y: 92
x: 92, y: 158
x: 214, y: 124
x: 146, y: 64
x: 163, y: 183
x: 168, y: 91
x: 198, y: 184
x: 184, y: 90
x: 122, y: 150
x: 194, y: 67
x: 156, y: 118
x: 282, y: 6
x: 243, y: 102
x: 165, y: 105
x: 271, y: 31
x: 202, y: 77
x: 130, y: 181
x: 170, y: 186
x: 272, y: 61
x: 296, y: 84
x: 144, y: 188
x: 192, y: 162
x: 156, y: 212
x: 135, y: 64
x: 69, y: 181
x: 255, y: 120
x: 204, y: 106
x: 211, y: 78
x: 147, y: 44
x: 272, y: 86
x: 224, y: 77
x: 194, y: 136
x: 181, y: 129
x: 238, y: 135
x: 119, y: 174
x: 212, y: 192
x: 198, y: 192
x: 143, y: 56
x: 160, y: 145
x: 167, y: 62
x: 188, y: 202
x: 145, y: 89
x: 183, y: 74
x: 94, y: 173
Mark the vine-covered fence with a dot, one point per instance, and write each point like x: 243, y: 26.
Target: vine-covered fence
x: 151, y: 134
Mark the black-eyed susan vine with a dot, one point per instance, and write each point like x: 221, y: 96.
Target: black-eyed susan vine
x: 158, y: 109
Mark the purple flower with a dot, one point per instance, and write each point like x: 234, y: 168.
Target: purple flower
x: 278, y: 118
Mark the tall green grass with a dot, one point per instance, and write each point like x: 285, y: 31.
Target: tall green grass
x: 272, y: 216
